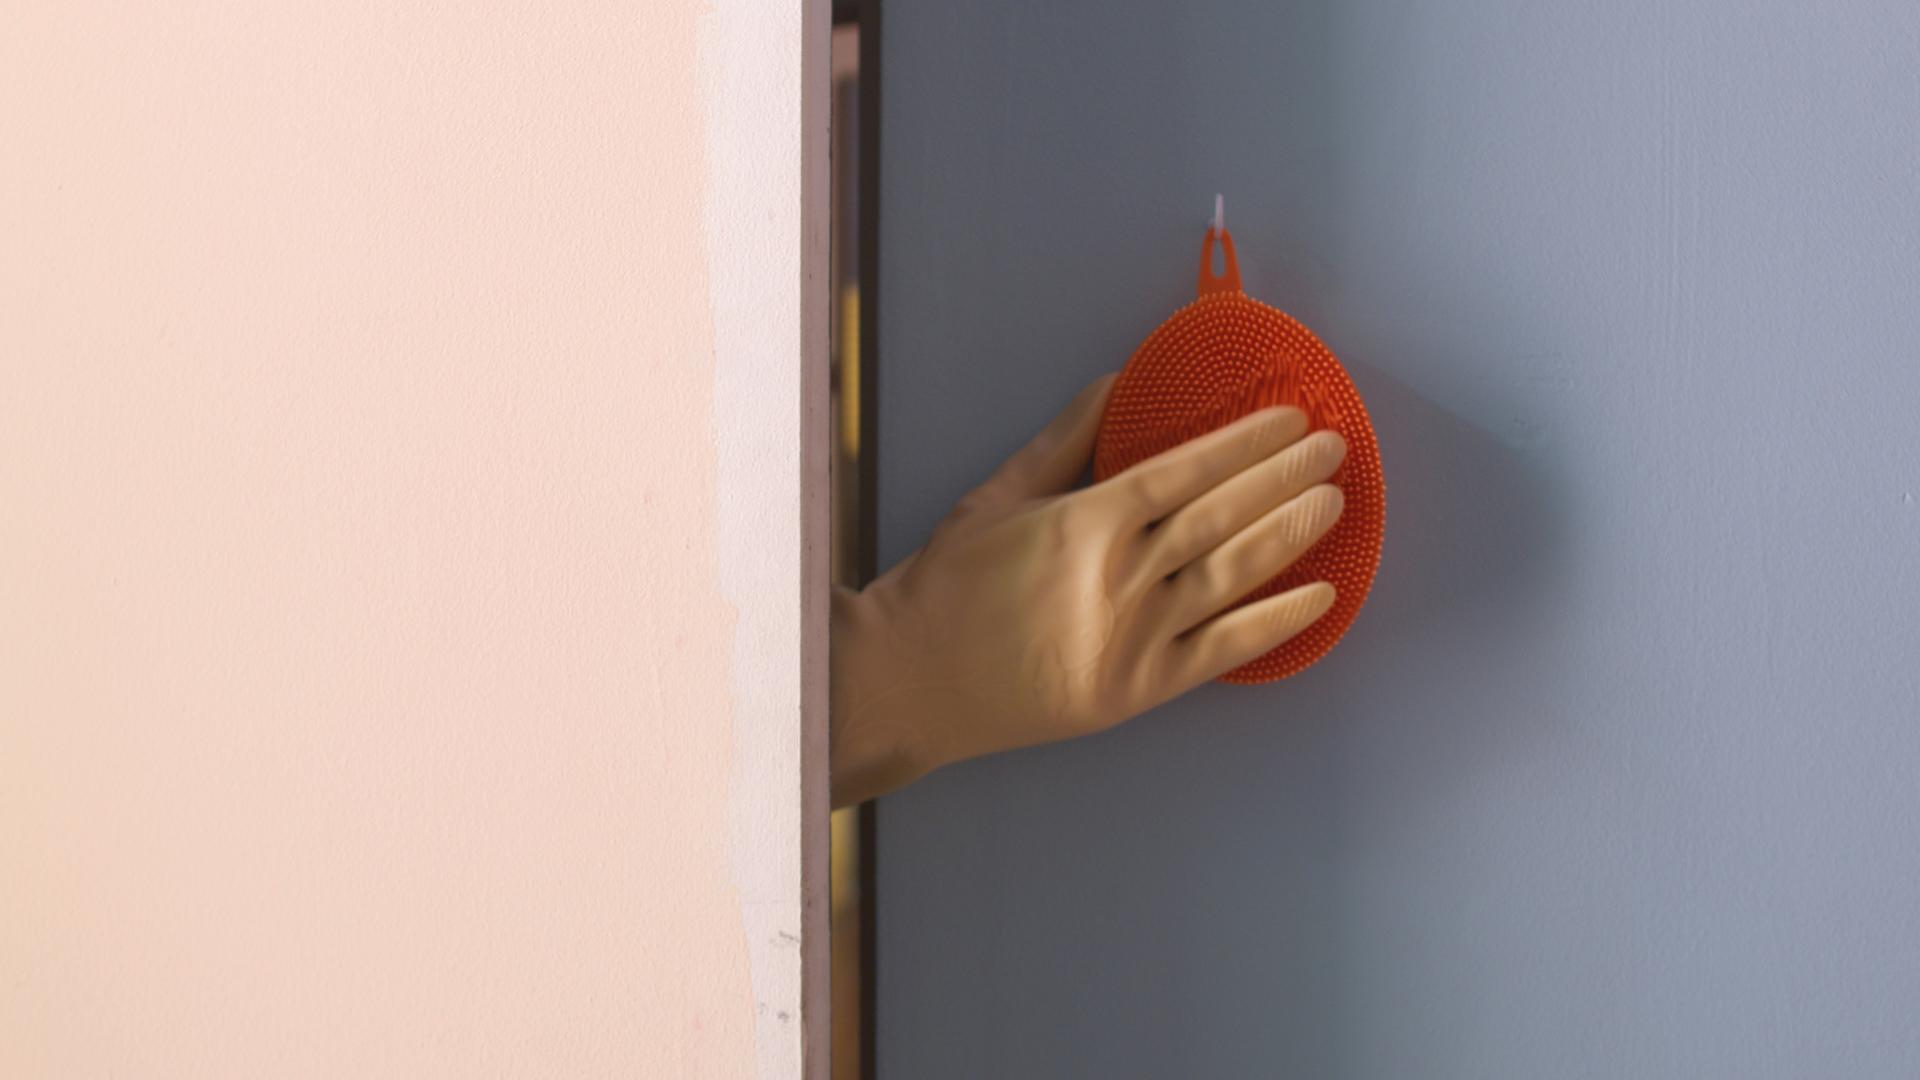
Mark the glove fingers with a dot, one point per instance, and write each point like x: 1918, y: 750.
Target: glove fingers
x: 1213, y: 518
x: 1164, y: 483
x: 1252, y: 556
x: 1244, y: 634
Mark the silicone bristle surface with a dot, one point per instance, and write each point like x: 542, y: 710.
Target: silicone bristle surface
x: 1218, y: 359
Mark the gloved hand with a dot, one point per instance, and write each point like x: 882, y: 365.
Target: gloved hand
x: 1036, y: 612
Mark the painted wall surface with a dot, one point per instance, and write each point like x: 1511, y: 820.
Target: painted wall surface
x: 399, y: 658
x: 1619, y: 772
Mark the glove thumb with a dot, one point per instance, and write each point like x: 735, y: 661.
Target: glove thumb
x: 1054, y: 459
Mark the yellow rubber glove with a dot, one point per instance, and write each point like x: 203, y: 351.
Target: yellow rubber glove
x: 1036, y: 612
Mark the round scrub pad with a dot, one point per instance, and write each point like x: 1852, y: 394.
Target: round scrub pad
x: 1218, y: 359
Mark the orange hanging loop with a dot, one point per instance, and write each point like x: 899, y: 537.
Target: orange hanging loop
x: 1227, y: 282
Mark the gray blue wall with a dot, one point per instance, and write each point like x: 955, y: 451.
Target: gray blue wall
x: 1618, y: 775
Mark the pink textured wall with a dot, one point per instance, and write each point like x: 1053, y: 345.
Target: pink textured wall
x: 365, y: 668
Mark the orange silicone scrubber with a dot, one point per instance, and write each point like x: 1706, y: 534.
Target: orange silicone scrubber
x: 1218, y: 359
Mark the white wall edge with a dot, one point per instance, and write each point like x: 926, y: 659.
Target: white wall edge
x: 765, y: 78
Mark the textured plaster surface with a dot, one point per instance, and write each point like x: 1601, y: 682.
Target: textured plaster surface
x: 387, y: 626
